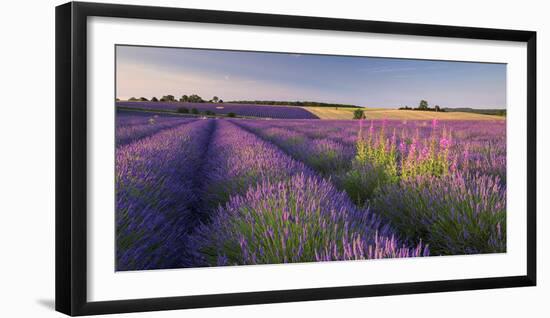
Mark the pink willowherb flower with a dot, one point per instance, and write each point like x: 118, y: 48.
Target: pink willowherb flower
x: 444, y: 143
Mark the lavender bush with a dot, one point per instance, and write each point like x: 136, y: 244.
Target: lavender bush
x: 456, y: 214
x: 302, y: 219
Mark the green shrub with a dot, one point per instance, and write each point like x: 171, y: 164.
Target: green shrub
x: 358, y: 114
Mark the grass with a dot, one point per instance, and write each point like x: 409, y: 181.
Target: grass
x: 380, y: 113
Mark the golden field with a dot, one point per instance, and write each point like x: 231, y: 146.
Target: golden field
x: 381, y: 113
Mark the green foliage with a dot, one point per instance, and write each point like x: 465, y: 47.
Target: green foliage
x: 209, y: 113
x: 374, y: 165
x: 195, y: 99
x: 423, y: 105
x: 132, y: 99
x: 378, y: 163
x: 427, y: 158
x: 168, y: 98
x: 358, y: 114
x: 194, y: 111
x: 362, y: 181
x: 154, y: 99
x: 231, y: 114
x: 184, y: 99
x: 183, y: 110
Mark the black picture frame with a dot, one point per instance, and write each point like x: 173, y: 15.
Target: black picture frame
x: 71, y: 157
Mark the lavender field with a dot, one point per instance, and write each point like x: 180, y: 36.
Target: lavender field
x: 194, y: 192
x: 246, y: 110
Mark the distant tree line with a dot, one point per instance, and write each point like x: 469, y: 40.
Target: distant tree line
x: 194, y: 98
x: 497, y: 112
x: 423, y: 105
x: 292, y: 103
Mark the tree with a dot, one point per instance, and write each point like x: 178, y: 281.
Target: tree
x: 215, y: 99
x: 437, y: 108
x: 195, y: 99
x: 423, y: 105
x: 168, y: 98
x: 117, y: 99
x: 231, y: 114
x: 220, y: 101
x: 132, y: 99
x: 358, y: 114
x: 154, y: 99
x: 143, y: 99
x: 194, y: 111
x: 183, y: 110
x: 184, y: 99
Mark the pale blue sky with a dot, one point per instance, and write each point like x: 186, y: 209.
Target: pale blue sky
x: 364, y: 81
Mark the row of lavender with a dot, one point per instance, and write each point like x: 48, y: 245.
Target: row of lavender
x: 132, y: 126
x: 248, y: 110
x: 443, y: 183
x: 156, y: 199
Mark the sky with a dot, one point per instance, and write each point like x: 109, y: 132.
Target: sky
x: 362, y: 81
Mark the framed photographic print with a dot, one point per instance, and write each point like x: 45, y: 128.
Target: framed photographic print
x: 209, y: 158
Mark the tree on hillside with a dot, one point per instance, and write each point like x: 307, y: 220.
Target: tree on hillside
x: 184, y: 99
x: 358, y: 114
x: 215, y: 99
x: 195, y: 99
x: 168, y: 98
x: 143, y: 99
x: 154, y: 99
x: 132, y: 99
x: 423, y: 105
